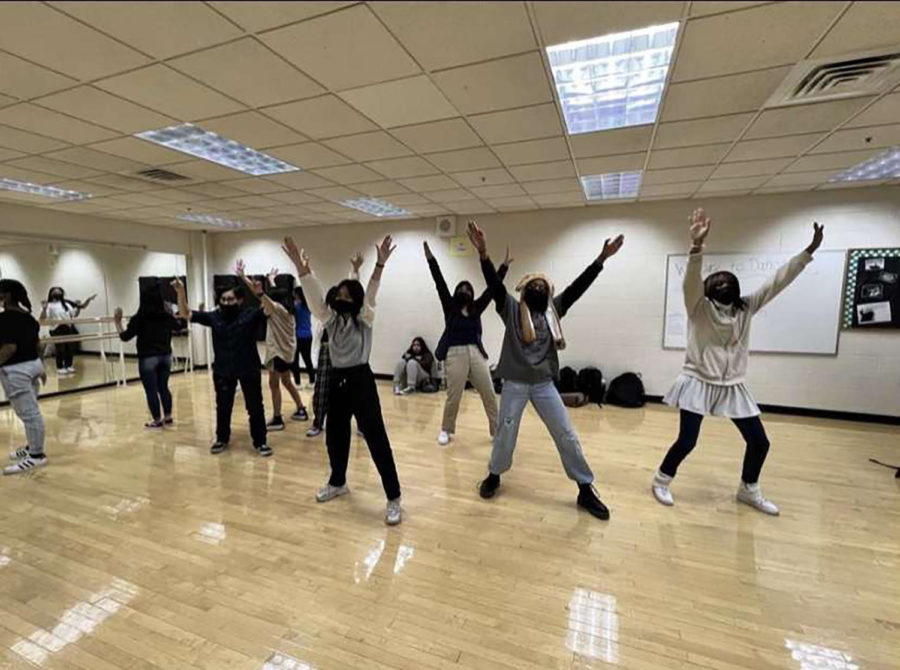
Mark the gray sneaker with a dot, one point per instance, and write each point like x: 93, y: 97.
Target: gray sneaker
x: 749, y: 494
x: 329, y: 492
x: 393, y: 513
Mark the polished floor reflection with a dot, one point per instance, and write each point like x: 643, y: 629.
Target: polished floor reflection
x: 137, y: 549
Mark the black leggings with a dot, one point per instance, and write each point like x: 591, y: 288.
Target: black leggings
x: 304, y: 349
x: 751, y: 429
x: 65, y: 351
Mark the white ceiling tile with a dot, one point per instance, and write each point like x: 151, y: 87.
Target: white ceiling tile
x: 804, y: 118
x: 34, y: 176
x: 450, y: 195
x: 9, y: 154
x: 409, y: 199
x: 835, y: 162
x: 783, y: 189
x: 534, y: 151
x: 299, y: 180
x: 438, y: 136
x: 608, y: 142
x: 215, y: 190
x: 160, y: 28
x: 379, y: 188
x: 540, y: 171
x: 499, y: 191
x: 256, y: 16
x: 735, y: 184
x: 50, y: 166
x: 52, y: 124
x: 294, y: 197
x: 202, y: 170
x: 567, y: 21
x: 348, y: 174
x: 885, y: 111
x: 750, y: 168
x: 466, y: 32
x: 515, y: 203
x: 333, y: 193
x: 88, y: 186
x: 94, y: 105
x: 516, y: 125
x: 800, y: 179
x: 369, y: 146
x: 559, y: 200
x: 428, y: 210
x: 676, y: 175
x: 395, y: 168
x: 139, y: 150
x: 115, y: 182
x: 402, y: 102
x: 252, y: 129
x: 865, y: 26
x: 552, y: 186
x: 604, y: 164
x: 474, y: 206
x: 98, y: 160
x: 703, y: 8
x: 853, y: 139
x: 752, y: 39
x: 170, y: 92
x: 342, y: 50
x: 464, y: 159
x: 688, y: 156
x: 6, y: 100
x: 308, y: 155
x: 721, y: 95
x: 249, y: 72
x: 701, y: 131
x: 778, y: 147
x: 431, y: 183
x: 254, y: 201
x: 26, y: 80
x: 174, y: 195
x: 516, y: 81
x: 671, y: 190
x: 489, y: 177
x: 41, y: 34
x: 327, y: 116
x: 255, y: 185
x: 20, y: 140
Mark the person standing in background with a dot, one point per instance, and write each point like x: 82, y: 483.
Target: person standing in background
x: 304, y: 332
x: 59, y: 308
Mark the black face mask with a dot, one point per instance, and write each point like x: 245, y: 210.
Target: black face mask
x: 462, y: 299
x: 536, y: 299
x: 342, y: 306
x: 56, y: 298
x: 726, y: 295
x: 230, y: 312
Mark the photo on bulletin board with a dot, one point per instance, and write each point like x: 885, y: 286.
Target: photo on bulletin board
x: 872, y: 289
x: 460, y: 246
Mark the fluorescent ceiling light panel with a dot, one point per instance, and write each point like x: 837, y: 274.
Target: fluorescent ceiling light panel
x: 612, y: 185
x: 612, y: 81
x: 40, y: 189
x: 210, y: 146
x: 211, y: 220
x: 885, y: 165
x: 375, y: 207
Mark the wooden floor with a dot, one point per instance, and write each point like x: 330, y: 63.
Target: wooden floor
x: 138, y: 550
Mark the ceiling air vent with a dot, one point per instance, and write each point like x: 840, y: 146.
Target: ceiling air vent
x: 828, y: 79
x: 158, y: 174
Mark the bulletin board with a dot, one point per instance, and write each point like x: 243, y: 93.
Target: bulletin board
x: 872, y: 289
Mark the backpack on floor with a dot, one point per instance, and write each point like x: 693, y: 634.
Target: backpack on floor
x: 574, y: 399
x: 626, y: 390
x: 568, y: 380
x: 429, y: 386
x: 590, y: 382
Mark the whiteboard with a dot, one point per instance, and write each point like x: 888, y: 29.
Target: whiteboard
x: 804, y: 318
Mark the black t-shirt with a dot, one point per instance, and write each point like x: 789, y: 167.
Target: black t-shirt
x: 21, y: 329
x: 234, y: 341
x: 154, y: 333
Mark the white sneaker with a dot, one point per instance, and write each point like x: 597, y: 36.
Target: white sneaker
x: 660, y: 488
x: 70, y: 370
x: 329, y: 492
x: 408, y: 390
x: 26, y: 464
x: 398, y: 390
x: 393, y: 514
x: 443, y: 438
x: 749, y: 494
x: 18, y: 454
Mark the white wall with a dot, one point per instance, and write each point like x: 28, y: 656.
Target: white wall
x: 618, y: 324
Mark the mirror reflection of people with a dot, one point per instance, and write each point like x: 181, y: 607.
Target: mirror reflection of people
x: 21, y: 373
x: 57, y: 307
x: 235, y: 361
x: 712, y: 381
x: 415, y: 368
x: 153, y: 325
x: 304, y: 333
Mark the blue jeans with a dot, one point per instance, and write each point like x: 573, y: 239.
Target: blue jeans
x: 21, y: 383
x: 155, y: 372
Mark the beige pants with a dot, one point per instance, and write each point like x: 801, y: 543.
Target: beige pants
x: 465, y: 363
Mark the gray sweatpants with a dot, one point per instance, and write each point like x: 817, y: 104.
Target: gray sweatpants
x: 553, y: 413
x: 21, y: 383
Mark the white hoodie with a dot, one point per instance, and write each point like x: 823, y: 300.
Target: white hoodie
x: 718, y: 338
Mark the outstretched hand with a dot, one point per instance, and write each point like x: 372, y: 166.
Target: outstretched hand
x: 428, y: 254
x: 117, y: 314
x: 611, y: 248
x: 385, y: 249
x: 508, y: 260
x: 239, y: 268
x: 178, y: 285
x: 477, y: 238
x: 700, y: 224
x: 356, y: 261
x: 818, y: 236
x: 298, y: 256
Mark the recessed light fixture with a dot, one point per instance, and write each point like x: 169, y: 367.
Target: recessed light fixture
x: 41, y: 190
x: 612, y: 185
x: 375, y: 207
x: 210, y: 146
x: 211, y: 220
x: 612, y: 81
x: 885, y: 165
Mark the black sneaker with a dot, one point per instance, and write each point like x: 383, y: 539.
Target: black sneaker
x: 589, y: 500
x: 277, y: 423
x: 489, y: 486
x: 218, y: 447
x: 265, y: 450
x: 300, y: 415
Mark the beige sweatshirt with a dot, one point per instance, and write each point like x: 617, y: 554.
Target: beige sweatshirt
x: 718, y: 337
x: 281, y: 336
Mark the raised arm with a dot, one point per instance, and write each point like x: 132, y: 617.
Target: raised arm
x: 582, y: 282
x: 312, y: 287
x: 255, y: 287
x: 383, y: 252
x: 693, y: 282
x: 184, y: 311
x: 786, y: 273
x: 439, y: 282
x: 125, y: 334
x: 494, y: 284
x: 487, y: 295
x: 356, y: 262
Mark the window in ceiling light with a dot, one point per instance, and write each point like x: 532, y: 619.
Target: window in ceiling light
x: 885, y: 165
x: 612, y: 185
x: 41, y: 190
x: 375, y: 207
x: 211, y: 220
x: 205, y: 144
x: 612, y: 81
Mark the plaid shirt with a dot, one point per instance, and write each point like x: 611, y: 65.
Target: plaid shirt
x: 320, y: 390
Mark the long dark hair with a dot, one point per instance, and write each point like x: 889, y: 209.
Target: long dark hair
x: 65, y: 301
x: 299, y: 295
x: 357, y: 295
x: 738, y: 302
x: 152, y: 304
x: 283, y: 297
x: 421, y: 341
x: 17, y: 292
